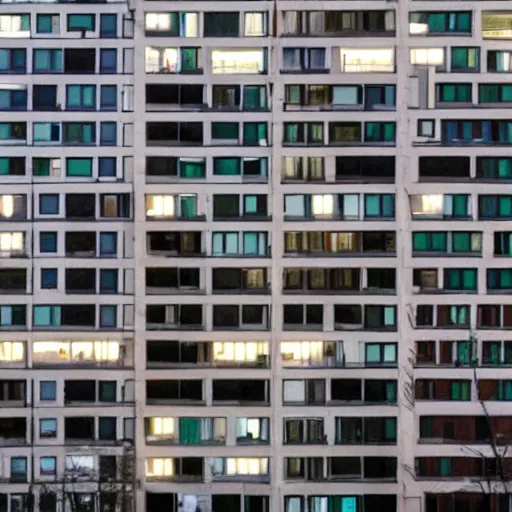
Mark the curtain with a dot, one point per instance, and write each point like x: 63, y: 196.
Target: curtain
x: 226, y: 166
x: 190, y: 431
x: 191, y: 169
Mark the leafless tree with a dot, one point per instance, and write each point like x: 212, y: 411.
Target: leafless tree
x: 83, y: 490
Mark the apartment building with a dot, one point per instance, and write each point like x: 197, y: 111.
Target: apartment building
x: 269, y: 269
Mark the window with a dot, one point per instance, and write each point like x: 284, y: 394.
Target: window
x: 47, y: 465
x: 252, y: 430
x: 108, y: 280
x: 79, y: 22
x: 49, y: 278
x: 427, y: 56
x: 107, y: 166
x: 47, y: 426
x: 379, y: 205
x: 494, y: 93
x: 46, y: 167
x: 460, y: 279
x: 439, y: 22
x: 44, y: 97
x: 46, y: 133
x: 465, y: 59
x: 47, y: 23
x: 19, y: 469
x: 426, y: 128
x: 108, y: 97
x: 454, y: 92
x: 255, y: 24
x: 108, y: 316
x: 181, y: 205
x: 108, y: 61
x: 13, y: 60
x: 374, y: 60
x: 379, y: 132
x: 13, y: 98
x: 79, y: 133
x: 78, y: 167
x: 15, y: 25
x: 236, y: 61
x: 380, y: 353
x: 108, y: 26
x: 108, y: 133
x: 108, y: 244
x: 239, y: 466
x: 12, y: 166
x: 47, y: 61
x: 12, y: 351
x: 81, y: 97
x: 499, y: 279
x: 49, y: 204
x: 47, y: 241
x: 107, y: 391
x: 302, y: 59
x: 495, y: 207
x: 107, y: 429
x: 46, y: 316
x: 48, y: 390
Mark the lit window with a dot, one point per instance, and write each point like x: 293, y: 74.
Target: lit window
x: 159, y: 467
x: 322, y: 204
x: 6, y: 206
x: 50, y: 351
x: 302, y: 351
x: 158, y: 21
x: 161, y: 427
x: 238, y: 61
x: 381, y: 60
x: 239, y: 350
x: 11, y: 242
x: 241, y: 466
x: 15, y: 25
x: 100, y: 351
x: 80, y: 463
x: 255, y: 24
x: 430, y: 56
x: 160, y: 206
x: 432, y: 204
x: 12, y: 351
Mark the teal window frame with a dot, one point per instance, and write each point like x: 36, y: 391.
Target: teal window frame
x: 430, y: 241
x: 78, y: 22
x: 79, y: 133
x: 494, y: 168
x: 494, y: 93
x: 461, y: 279
x: 379, y: 206
x: 226, y: 131
x: 499, y: 279
x: 465, y: 58
x: 79, y: 167
x: 47, y: 60
x: 80, y: 97
x: 192, y: 168
x: 463, y: 241
x: 497, y: 207
x: 460, y: 390
x: 380, y: 132
x: 44, y: 23
x: 254, y: 98
x: 47, y: 316
x: 254, y: 134
x: 454, y: 92
x: 227, y: 166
